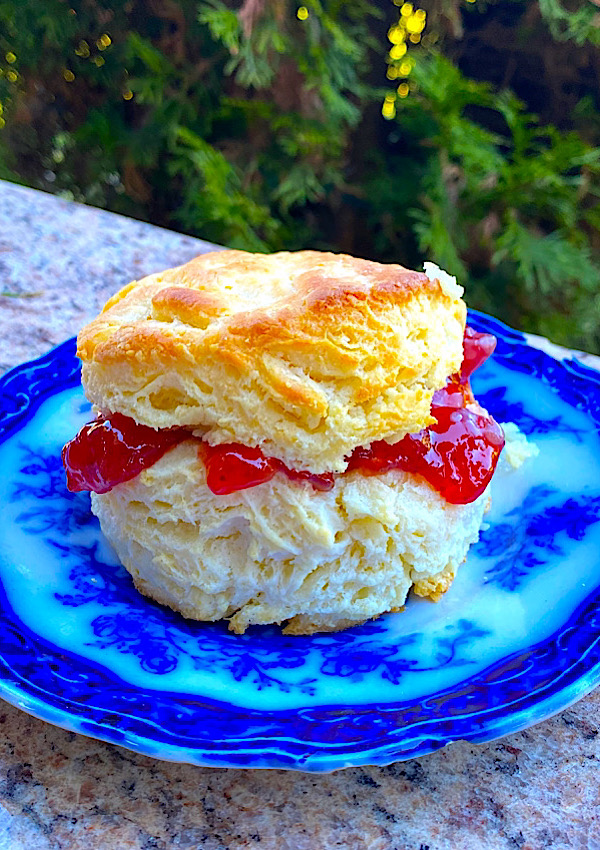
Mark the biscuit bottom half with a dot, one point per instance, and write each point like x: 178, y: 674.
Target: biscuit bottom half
x: 281, y: 551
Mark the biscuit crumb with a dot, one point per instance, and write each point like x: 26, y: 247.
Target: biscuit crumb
x: 447, y: 281
x: 517, y: 448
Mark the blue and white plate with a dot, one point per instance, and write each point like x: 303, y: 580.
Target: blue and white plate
x: 514, y: 640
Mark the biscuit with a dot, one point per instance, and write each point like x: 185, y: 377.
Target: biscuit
x: 306, y: 355
x: 281, y: 551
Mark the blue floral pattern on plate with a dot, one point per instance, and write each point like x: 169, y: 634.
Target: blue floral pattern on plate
x: 533, y: 531
x: 515, y: 639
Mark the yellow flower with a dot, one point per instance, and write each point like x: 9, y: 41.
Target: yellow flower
x: 388, y: 110
x: 397, y: 51
x: 396, y: 34
x: 415, y: 24
x: 83, y: 49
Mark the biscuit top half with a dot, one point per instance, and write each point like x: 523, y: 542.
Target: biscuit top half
x: 304, y: 354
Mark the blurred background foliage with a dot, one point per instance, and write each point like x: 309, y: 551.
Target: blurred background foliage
x: 463, y: 131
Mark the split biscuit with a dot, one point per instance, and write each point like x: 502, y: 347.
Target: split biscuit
x: 306, y: 355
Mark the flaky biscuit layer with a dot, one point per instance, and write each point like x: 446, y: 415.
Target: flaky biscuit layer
x: 282, y: 551
x: 304, y: 354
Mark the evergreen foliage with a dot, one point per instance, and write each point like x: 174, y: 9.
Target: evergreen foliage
x: 462, y: 132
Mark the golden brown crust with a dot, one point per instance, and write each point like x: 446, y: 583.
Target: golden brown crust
x: 307, y: 354
x: 434, y: 587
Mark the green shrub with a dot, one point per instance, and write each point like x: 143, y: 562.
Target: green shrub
x: 260, y: 126
x: 510, y: 211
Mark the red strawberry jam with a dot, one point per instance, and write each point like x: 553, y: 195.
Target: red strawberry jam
x: 477, y: 347
x: 232, y: 466
x: 114, y: 449
x: 323, y: 482
x: 457, y: 454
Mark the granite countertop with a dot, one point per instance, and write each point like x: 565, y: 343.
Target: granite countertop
x: 539, y: 788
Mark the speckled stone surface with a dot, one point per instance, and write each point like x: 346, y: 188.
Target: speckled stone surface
x: 535, y: 789
x: 60, y: 261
